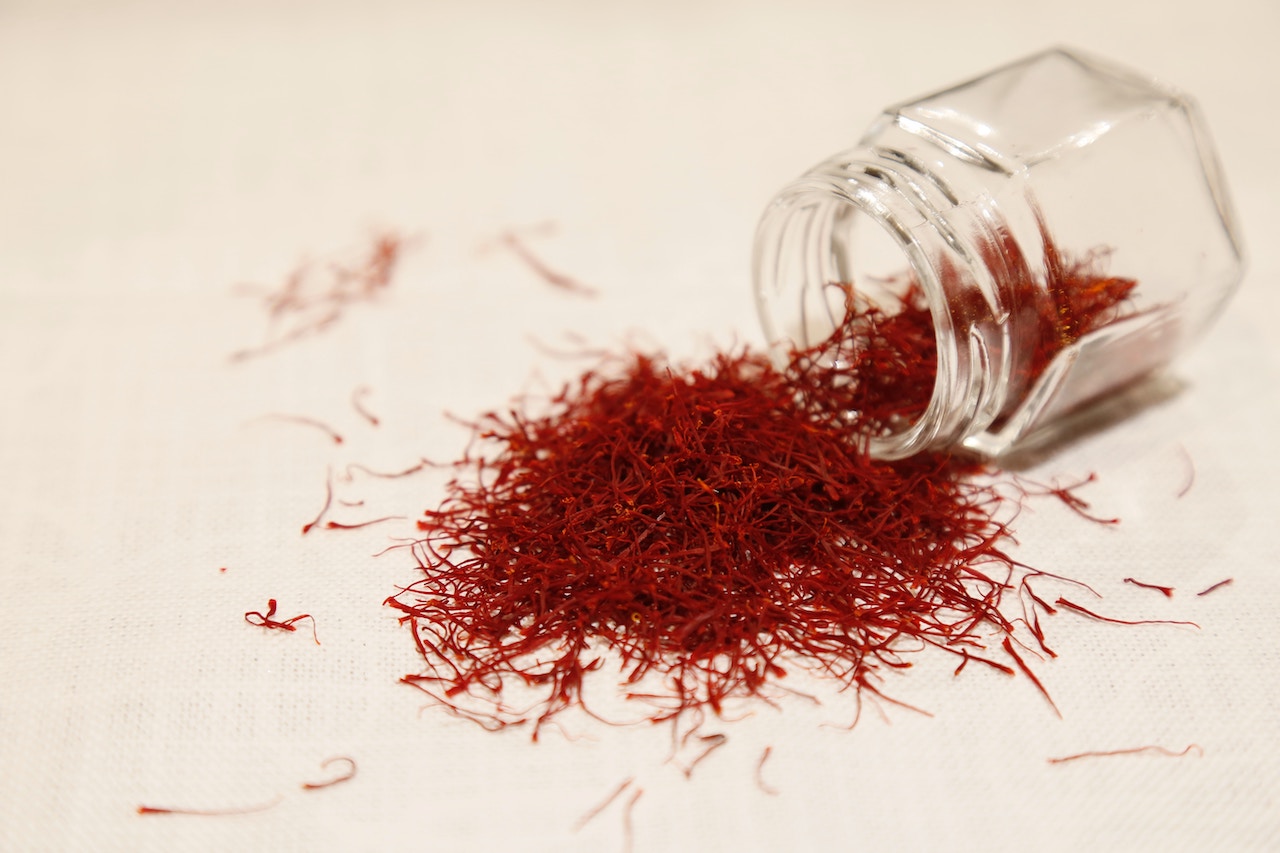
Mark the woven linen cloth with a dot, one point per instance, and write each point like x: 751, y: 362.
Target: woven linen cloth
x: 165, y: 167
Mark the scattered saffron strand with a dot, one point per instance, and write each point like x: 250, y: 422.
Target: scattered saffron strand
x: 268, y: 620
x: 239, y: 810
x: 628, y: 828
x: 1070, y: 605
x: 420, y: 465
x: 346, y: 775
x: 335, y: 525
x: 1219, y: 585
x: 771, y: 791
x: 713, y: 742
x: 1026, y: 670
x: 1167, y: 590
x: 306, y: 421
x: 550, y: 276
x: 328, y: 502
x: 293, y: 335
x: 357, y: 403
x: 314, y: 296
x: 1137, y: 750
x: 604, y: 804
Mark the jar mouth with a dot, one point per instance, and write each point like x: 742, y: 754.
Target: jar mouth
x: 849, y: 273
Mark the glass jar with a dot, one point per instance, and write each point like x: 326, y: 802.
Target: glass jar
x: 1005, y: 205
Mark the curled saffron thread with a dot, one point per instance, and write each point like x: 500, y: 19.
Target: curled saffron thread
x: 760, y: 783
x: 1137, y: 750
x: 336, y: 525
x: 237, y: 810
x: 328, y: 502
x: 535, y: 263
x: 604, y: 804
x: 1167, y: 590
x: 347, y: 773
x: 357, y: 403
x: 305, y: 421
x: 1070, y: 605
x: 268, y: 620
x: 1219, y: 585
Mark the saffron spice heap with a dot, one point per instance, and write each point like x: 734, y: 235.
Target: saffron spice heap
x: 709, y: 527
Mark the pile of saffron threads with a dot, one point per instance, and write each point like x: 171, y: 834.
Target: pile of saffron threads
x: 708, y: 528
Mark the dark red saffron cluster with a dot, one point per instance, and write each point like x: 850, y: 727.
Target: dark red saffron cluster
x: 707, y: 528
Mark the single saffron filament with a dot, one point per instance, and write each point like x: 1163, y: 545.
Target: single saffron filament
x: 1192, y: 749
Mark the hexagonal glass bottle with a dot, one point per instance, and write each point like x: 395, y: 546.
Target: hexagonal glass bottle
x: 980, y: 194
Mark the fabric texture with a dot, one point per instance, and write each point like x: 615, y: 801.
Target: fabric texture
x: 166, y: 166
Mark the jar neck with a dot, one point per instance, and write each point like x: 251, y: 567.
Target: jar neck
x: 871, y: 214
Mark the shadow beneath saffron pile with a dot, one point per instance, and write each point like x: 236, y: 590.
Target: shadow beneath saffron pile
x: 1139, y: 397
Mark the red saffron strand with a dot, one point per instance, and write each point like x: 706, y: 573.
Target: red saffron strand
x: 1026, y: 670
x: 1219, y: 585
x: 760, y: 783
x: 550, y: 276
x: 1070, y: 605
x: 1166, y: 590
x: 1137, y: 750
x: 965, y: 657
x: 328, y: 502
x: 348, y: 773
x: 335, y: 525
x: 604, y: 804
x: 420, y: 465
x: 628, y: 824
x: 712, y: 742
x: 357, y: 403
x: 268, y: 620
x: 237, y: 810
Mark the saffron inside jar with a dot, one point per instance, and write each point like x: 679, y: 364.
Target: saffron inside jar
x: 881, y: 359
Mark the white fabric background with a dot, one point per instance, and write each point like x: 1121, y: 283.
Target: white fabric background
x: 153, y: 156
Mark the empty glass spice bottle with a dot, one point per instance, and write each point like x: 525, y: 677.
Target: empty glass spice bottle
x: 1006, y: 206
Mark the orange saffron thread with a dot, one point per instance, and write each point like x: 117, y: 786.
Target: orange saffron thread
x: 346, y: 775
x: 1137, y: 750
